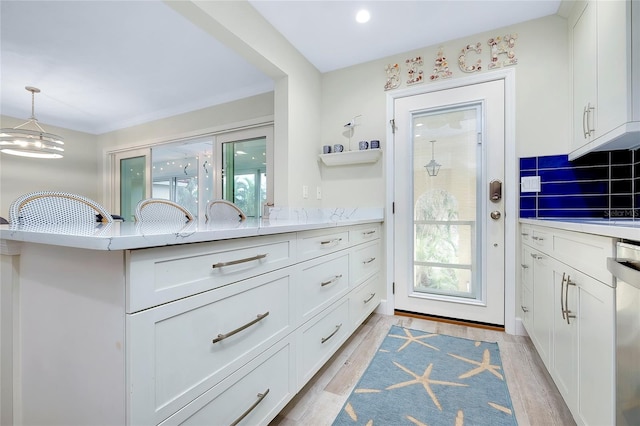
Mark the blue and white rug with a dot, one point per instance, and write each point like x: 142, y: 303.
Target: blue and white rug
x: 420, y: 378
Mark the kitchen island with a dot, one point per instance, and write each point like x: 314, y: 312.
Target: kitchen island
x: 168, y: 324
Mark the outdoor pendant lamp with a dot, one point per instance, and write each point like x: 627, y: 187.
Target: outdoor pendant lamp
x: 433, y: 167
x: 29, y: 139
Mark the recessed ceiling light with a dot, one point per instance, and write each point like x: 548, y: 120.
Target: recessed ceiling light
x: 363, y: 16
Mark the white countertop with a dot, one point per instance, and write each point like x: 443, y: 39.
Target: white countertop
x: 627, y: 229
x: 130, y: 235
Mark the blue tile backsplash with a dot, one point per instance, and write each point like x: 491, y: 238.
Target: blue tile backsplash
x: 597, y: 185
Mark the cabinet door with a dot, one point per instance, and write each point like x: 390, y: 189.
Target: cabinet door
x: 526, y: 289
x: 613, y: 80
x: 542, y: 301
x: 583, y: 54
x: 596, y: 362
x: 564, y: 366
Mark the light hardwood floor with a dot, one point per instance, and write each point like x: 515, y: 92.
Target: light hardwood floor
x: 536, y: 400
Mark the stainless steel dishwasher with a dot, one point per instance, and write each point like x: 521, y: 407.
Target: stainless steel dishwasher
x: 626, y: 269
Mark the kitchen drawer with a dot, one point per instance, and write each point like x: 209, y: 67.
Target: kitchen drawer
x: 363, y: 233
x: 320, y: 242
x: 526, y: 232
x: 322, y: 282
x: 319, y: 338
x: 173, y: 350
x: 365, y: 261
x: 542, y: 240
x: 162, y: 274
x: 526, y: 267
x: 364, y: 299
x: 261, y: 389
x: 585, y: 252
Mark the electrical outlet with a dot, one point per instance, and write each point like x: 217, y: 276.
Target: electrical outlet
x: 305, y: 191
x: 318, y: 193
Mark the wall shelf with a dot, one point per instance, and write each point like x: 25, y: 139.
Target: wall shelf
x: 351, y: 157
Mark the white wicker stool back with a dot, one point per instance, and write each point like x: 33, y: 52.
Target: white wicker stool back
x: 224, y: 210
x: 53, y: 207
x: 159, y: 210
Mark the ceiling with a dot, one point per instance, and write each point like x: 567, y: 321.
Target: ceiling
x: 106, y: 65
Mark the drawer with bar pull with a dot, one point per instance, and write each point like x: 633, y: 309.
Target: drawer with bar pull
x: 321, y: 242
x: 162, y: 274
x: 364, y: 299
x: 365, y: 261
x: 251, y: 396
x: 319, y: 338
x: 181, y: 349
x: 322, y: 281
x: 363, y: 233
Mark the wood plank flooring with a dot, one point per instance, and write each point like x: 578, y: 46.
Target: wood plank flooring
x: 536, y: 400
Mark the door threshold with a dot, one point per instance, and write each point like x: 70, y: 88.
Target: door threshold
x: 455, y: 321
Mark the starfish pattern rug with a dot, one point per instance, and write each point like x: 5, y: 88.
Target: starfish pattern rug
x: 420, y: 378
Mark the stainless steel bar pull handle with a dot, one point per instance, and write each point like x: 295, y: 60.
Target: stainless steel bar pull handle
x: 562, y: 295
x: 589, y: 110
x: 365, y: 233
x: 524, y: 308
x: 368, y: 260
x: 567, y: 312
x: 369, y: 298
x: 260, y: 397
x: 333, y: 241
x: 524, y: 266
x: 235, y: 262
x: 585, y: 133
x: 324, y: 339
x: 259, y: 318
x: 331, y: 281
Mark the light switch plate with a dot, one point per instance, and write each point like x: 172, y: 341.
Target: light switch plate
x: 530, y: 184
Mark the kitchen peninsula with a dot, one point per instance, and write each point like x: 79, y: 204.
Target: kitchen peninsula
x: 147, y: 323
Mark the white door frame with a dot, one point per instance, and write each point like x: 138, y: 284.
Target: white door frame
x: 512, y: 325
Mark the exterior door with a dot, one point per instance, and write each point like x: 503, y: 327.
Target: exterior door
x: 449, y: 225
x: 132, y: 180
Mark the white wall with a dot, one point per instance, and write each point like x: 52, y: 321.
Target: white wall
x: 542, y: 103
x: 297, y: 94
x: 76, y: 172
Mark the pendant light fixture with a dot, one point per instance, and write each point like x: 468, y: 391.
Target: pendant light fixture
x: 433, y: 167
x: 29, y: 139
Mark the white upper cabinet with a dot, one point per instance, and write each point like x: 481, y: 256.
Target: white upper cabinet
x: 605, y: 76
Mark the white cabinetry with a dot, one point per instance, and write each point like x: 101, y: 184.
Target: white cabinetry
x: 204, y: 333
x: 604, y: 39
x: 263, y: 291
x: 572, y: 322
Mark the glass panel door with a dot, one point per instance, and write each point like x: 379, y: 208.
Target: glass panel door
x: 182, y: 173
x: 244, y: 180
x: 448, y: 230
x: 131, y: 181
x: 446, y: 164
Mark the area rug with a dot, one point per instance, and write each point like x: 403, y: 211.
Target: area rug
x: 420, y: 378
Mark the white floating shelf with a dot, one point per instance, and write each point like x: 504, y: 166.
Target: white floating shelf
x: 351, y: 157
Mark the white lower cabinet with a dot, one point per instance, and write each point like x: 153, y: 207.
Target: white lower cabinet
x: 319, y: 338
x: 572, y: 322
x: 253, y: 395
x: 239, y: 351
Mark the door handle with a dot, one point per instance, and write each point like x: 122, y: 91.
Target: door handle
x: 495, y: 215
x: 495, y: 191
